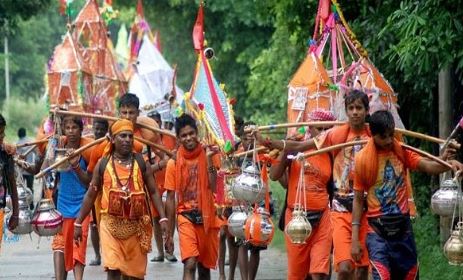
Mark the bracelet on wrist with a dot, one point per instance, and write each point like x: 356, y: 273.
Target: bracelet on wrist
x: 356, y: 224
x: 77, y: 225
x: 211, y: 169
x: 163, y: 220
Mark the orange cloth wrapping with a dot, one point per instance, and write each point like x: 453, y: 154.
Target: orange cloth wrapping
x: 342, y: 239
x: 366, y: 161
x: 205, y: 196
x: 314, y: 256
x: 64, y: 242
x: 117, y: 127
x: 124, y: 255
x: 196, y: 242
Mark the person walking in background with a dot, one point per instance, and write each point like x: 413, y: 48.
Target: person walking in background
x: 7, y: 183
x: 30, y: 158
x: 100, y: 128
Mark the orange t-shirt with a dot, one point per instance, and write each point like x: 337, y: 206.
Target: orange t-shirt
x: 389, y: 196
x: 316, y: 177
x: 190, y: 195
x: 343, y: 165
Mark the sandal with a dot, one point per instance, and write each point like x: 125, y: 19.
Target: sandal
x: 95, y: 262
x: 158, y: 259
x: 171, y: 258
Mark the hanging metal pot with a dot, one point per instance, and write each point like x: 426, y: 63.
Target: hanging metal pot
x: 47, y: 221
x: 24, y: 194
x: 298, y: 228
x: 59, y: 155
x: 453, y: 248
x: 236, y: 222
x: 24, y: 219
x: 259, y: 229
x: 444, y: 199
x: 248, y: 185
x: 8, y: 204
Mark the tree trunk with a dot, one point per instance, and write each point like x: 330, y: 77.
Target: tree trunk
x: 445, y: 127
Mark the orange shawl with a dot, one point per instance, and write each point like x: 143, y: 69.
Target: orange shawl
x: 205, y: 196
x: 366, y: 161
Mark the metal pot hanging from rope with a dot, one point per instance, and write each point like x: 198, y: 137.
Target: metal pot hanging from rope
x: 47, y: 221
x: 24, y: 219
x: 248, y: 186
x: 453, y: 248
x: 299, y: 228
x: 236, y: 222
x: 259, y: 229
x: 444, y: 199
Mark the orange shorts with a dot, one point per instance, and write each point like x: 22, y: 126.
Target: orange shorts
x: 342, y: 239
x: 64, y: 242
x: 195, y: 242
x: 314, y: 256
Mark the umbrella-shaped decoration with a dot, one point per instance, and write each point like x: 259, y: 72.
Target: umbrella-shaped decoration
x: 207, y: 99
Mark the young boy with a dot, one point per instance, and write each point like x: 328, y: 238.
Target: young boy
x: 380, y: 171
x: 343, y: 168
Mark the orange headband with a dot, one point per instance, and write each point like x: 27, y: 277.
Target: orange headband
x: 121, y: 125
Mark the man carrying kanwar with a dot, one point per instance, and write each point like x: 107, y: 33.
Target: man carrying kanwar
x: 127, y: 186
x: 381, y: 170
x: 311, y: 259
x: 357, y: 107
x: 192, y: 175
x: 69, y: 194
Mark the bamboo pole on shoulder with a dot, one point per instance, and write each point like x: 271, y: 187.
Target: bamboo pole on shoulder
x: 109, y: 118
x: 73, y: 154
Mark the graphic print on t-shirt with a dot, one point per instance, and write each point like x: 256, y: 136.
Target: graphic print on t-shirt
x: 190, y: 195
x: 387, y: 192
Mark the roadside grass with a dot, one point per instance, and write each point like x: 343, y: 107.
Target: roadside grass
x: 278, y: 195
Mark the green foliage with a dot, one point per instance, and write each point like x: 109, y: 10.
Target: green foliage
x: 433, y: 264
x: 11, y: 11
x: 20, y: 112
x: 29, y: 50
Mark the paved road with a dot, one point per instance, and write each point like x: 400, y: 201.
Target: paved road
x: 29, y: 259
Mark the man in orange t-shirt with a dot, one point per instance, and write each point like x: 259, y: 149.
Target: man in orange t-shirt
x: 381, y: 169
x: 128, y: 109
x: 357, y: 106
x: 158, y: 161
x: 192, y: 175
x: 312, y: 258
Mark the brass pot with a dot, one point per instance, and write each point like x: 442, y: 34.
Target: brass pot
x: 453, y: 248
x: 444, y: 199
x: 298, y: 228
x: 47, y: 221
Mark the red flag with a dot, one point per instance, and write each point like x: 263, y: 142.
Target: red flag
x: 109, y: 2
x: 140, y: 9
x: 157, y: 40
x: 62, y: 7
x: 198, y: 30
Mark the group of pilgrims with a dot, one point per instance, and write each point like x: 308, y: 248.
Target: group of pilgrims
x: 356, y: 198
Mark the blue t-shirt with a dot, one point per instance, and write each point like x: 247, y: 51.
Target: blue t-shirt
x: 71, y: 192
